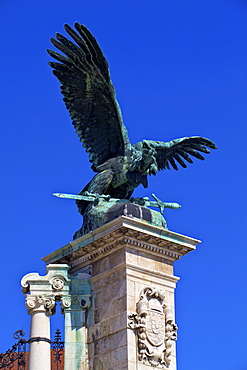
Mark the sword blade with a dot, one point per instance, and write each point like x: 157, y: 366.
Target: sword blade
x: 75, y: 196
x: 91, y: 197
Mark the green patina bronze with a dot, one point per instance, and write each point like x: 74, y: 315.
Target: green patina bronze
x: 90, y: 97
x: 146, y: 202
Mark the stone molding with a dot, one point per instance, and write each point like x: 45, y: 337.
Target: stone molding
x: 119, y: 232
x: 124, y: 241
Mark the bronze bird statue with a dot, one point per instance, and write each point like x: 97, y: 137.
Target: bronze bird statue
x: 90, y: 97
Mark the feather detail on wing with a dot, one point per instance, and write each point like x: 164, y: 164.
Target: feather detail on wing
x: 180, y: 151
x: 89, y: 94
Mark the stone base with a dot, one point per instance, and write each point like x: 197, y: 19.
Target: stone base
x: 105, y: 211
x: 131, y: 318
x: 117, y: 284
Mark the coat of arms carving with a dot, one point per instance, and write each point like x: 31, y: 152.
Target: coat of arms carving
x: 156, y: 330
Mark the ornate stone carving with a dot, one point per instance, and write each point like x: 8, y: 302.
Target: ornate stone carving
x: 156, y: 330
x: 30, y: 302
x: 42, y: 292
x: 57, y: 283
x: 43, y: 302
x: 78, y: 301
x: 65, y: 302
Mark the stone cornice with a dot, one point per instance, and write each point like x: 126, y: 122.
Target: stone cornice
x: 123, y: 231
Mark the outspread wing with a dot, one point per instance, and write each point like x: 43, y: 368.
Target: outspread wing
x: 180, y: 151
x: 89, y: 94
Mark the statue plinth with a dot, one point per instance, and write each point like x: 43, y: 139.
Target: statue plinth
x: 105, y: 211
x: 130, y: 320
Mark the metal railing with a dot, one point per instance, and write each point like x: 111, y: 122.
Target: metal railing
x: 16, y: 358
x: 57, y: 347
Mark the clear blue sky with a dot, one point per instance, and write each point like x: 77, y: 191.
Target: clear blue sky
x: 179, y: 69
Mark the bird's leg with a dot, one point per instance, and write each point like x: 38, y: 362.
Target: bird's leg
x: 96, y: 200
x: 140, y: 201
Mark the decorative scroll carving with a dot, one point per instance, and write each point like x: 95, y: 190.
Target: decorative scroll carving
x: 65, y: 302
x: 57, y: 283
x: 81, y: 301
x: 155, y: 327
x: 40, y: 302
x: 30, y: 302
x: 42, y: 292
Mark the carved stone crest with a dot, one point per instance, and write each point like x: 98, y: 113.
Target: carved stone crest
x: 155, y: 327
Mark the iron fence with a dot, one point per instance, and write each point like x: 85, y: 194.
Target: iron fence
x: 16, y: 358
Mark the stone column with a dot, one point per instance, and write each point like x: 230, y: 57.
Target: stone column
x: 41, y: 294
x: 40, y: 308
x: 74, y: 308
x: 131, y: 320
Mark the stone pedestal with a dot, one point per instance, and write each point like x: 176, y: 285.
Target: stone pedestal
x: 130, y: 323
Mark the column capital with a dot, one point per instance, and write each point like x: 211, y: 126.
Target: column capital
x: 79, y: 295
x: 57, y: 285
x: 42, y: 292
x: 40, y: 303
x: 75, y: 302
x: 56, y: 280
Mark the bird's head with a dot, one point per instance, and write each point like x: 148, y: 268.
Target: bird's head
x: 148, y: 164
